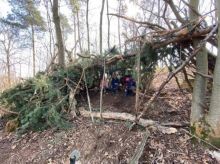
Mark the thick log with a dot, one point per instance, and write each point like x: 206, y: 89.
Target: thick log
x: 129, y: 117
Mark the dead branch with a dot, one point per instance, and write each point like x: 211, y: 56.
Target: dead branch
x: 186, y: 36
x: 86, y: 56
x: 191, y: 8
x: 8, y: 111
x: 118, y: 57
x: 51, y: 63
x: 175, y: 11
x: 151, y: 25
x: 187, y: 79
x: 69, y: 53
x: 88, y: 97
x: 138, y: 153
x: 165, y: 19
x: 203, y: 75
x: 176, y: 124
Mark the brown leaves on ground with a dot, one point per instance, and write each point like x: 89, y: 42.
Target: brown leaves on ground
x: 111, y: 141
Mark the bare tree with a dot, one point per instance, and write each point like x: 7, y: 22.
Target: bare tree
x: 9, y: 44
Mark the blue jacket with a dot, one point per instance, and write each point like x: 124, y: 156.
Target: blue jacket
x: 115, y: 83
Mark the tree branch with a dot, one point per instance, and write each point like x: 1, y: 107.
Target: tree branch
x: 151, y: 25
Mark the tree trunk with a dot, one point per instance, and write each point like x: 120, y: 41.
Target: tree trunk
x: 56, y: 19
x: 158, y: 12
x: 87, y: 24
x: 199, y: 89
x: 100, y: 27
x: 78, y: 27
x: 214, y: 112
x: 33, y: 51
x: 138, y: 82
x: 75, y: 40
x: 119, y: 28
x: 100, y: 42
x: 108, y: 24
x: 8, y: 67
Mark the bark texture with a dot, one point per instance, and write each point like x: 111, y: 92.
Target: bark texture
x: 56, y: 19
x: 214, y: 113
x: 199, y: 89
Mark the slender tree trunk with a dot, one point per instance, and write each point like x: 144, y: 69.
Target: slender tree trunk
x: 100, y: 27
x: 78, y: 27
x: 75, y: 33
x: 108, y: 18
x: 49, y: 29
x: 100, y: 42
x: 138, y: 82
x: 33, y: 51
x: 56, y: 19
x: 158, y: 12
x: 119, y: 26
x: 87, y: 24
x: 199, y: 89
x: 8, y: 67
x: 214, y: 111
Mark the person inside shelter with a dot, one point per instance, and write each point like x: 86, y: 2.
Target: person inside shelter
x: 130, y: 86
x: 115, y: 83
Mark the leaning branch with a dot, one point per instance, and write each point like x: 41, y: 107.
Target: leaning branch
x: 138, y: 153
x: 151, y: 25
x: 204, y: 75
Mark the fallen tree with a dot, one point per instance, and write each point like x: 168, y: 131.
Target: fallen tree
x: 146, y: 123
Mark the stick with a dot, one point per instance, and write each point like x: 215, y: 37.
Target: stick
x: 8, y: 111
x: 203, y: 75
x: 88, y: 97
x: 140, y: 22
x: 51, y: 62
x: 138, y: 153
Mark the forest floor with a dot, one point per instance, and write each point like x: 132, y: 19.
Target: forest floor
x: 111, y: 141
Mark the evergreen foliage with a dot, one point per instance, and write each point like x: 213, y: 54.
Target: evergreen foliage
x: 43, y: 100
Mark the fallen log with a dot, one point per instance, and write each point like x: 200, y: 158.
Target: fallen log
x: 118, y: 116
x: 162, y: 127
